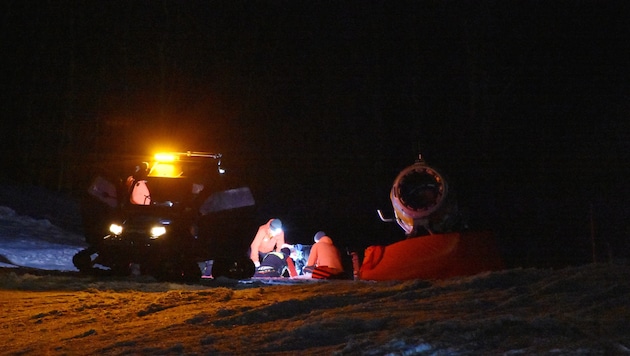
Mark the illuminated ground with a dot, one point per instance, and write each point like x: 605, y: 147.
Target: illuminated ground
x: 570, y: 311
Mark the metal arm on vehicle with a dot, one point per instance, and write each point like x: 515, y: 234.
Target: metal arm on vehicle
x: 202, y: 154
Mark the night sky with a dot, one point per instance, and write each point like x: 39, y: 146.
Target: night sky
x: 317, y: 105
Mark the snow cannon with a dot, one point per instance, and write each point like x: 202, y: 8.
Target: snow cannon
x: 438, y: 244
x: 423, y: 201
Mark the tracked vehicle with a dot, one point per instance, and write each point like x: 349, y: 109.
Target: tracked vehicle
x: 171, y: 214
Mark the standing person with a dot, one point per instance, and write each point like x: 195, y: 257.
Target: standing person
x: 137, y: 185
x: 269, y: 238
x: 324, y: 261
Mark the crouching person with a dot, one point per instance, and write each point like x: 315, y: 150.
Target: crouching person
x: 276, y: 264
x: 324, y: 261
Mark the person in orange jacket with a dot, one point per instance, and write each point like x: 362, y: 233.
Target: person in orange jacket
x: 324, y: 260
x: 269, y: 238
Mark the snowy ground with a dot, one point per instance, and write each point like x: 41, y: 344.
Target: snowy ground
x: 36, y: 243
x: 577, y: 310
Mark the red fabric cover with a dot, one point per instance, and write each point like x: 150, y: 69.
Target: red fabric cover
x: 291, y: 267
x: 437, y: 256
x: 325, y: 272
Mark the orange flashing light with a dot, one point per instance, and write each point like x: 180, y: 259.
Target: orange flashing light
x: 166, y: 165
x: 165, y: 157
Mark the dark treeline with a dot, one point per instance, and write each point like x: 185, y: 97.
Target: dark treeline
x: 318, y: 105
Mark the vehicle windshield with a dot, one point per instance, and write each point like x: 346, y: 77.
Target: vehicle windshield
x: 169, y: 191
x: 175, y: 183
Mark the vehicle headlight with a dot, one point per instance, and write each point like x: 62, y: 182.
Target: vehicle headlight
x: 157, y: 231
x: 115, y: 229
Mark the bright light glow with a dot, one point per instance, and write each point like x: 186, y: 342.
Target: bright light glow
x: 115, y: 229
x: 274, y: 232
x: 165, y: 170
x: 165, y: 157
x: 157, y: 231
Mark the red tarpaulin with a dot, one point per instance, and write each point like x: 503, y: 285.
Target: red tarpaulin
x: 436, y: 256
